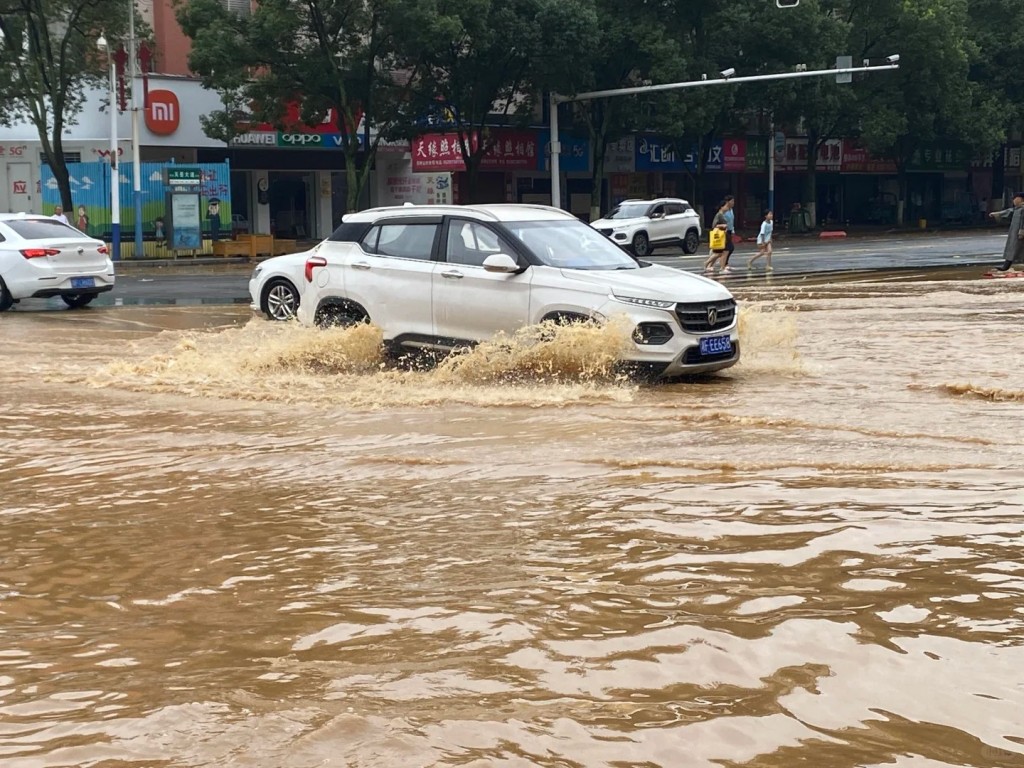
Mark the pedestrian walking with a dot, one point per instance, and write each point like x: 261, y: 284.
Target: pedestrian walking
x: 730, y: 221
x: 764, y: 242
x: 58, y: 214
x: 719, y: 237
x: 1014, y: 250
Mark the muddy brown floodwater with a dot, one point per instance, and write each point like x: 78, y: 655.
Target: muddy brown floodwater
x: 233, y: 543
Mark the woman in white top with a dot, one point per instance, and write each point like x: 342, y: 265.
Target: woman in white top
x: 764, y: 243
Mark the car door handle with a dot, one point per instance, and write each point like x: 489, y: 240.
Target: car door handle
x: 360, y: 265
x: 453, y: 275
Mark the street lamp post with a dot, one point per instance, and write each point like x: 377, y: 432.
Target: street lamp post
x: 892, y: 62
x: 136, y: 165
x: 115, y: 180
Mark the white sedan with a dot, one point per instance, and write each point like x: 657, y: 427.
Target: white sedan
x: 275, y: 283
x: 41, y: 257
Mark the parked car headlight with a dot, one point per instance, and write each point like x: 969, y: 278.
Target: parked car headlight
x: 256, y: 272
x: 652, y: 303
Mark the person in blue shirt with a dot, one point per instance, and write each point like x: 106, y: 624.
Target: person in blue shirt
x: 730, y: 222
x: 764, y: 242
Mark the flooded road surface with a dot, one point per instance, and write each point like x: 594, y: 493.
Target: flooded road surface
x: 233, y: 543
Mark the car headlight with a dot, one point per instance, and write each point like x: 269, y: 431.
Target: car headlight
x: 652, y: 303
x: 256, y: 272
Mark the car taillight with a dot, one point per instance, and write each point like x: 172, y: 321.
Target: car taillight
x: 38, y: 253
x: 103, y: 250
x: 312, y: 263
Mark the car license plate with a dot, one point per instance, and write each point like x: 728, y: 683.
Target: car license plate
x: 715, y: 345
x: 83, y: 282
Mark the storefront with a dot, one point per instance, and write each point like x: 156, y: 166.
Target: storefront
x: 169, y: 131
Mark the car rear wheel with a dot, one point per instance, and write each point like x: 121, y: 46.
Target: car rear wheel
x: 76, y: 300
x: 6, y: 300
x: 280, y: 299
x: 340, y: 315
x: 641, y: 245
x: 691, y: 242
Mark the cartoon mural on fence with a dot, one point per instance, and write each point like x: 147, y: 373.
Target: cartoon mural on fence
x: 90, y: 192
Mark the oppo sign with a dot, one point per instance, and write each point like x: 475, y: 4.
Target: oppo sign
x: 311, y: 140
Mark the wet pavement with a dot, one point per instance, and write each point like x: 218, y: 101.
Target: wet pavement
x: 230, y: 542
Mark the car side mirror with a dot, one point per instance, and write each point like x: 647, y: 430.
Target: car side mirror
x: 501, y: 262
x: 657, y: 215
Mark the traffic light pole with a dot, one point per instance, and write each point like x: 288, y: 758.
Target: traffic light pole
x: 555, y: 99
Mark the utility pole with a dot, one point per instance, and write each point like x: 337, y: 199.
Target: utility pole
x: 136, y: 165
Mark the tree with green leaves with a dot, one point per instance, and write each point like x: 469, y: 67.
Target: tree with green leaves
x: 930, y: 98
x: 321, y: 54
x: 486, y: 59
x: 601, y: 63
x: 48, y: 61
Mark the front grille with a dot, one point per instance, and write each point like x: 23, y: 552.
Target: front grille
x: 692, y: 356
x: 693, y: 316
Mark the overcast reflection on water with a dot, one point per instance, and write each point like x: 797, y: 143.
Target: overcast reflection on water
x: 234, y: 543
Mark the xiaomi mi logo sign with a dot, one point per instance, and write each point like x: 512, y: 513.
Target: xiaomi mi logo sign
x: 164, y: 113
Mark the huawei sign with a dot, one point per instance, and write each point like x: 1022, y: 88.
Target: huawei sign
x: 163, y: 113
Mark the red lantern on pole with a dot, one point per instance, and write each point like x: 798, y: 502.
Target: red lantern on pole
x: 120, y: 60
x: 145, y: 64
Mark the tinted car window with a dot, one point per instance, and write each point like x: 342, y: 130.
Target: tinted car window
x: 351, y: 232
x: 470, y: 242
x: 672, y: 209
x: 369, y: 241
x: 42, y: 229
x: 407, y: 241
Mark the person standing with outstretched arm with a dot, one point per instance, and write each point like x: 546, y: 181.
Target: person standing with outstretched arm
x: 764, y: 242
x: 1014, y: 250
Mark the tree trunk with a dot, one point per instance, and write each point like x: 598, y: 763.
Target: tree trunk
x: 351, y: 183
x: 599, y: 144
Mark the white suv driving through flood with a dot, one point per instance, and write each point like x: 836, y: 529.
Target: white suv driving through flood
x: 643, y: 225
x: 441, y: 277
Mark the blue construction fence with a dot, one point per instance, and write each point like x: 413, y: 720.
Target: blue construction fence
x: 90, y: 191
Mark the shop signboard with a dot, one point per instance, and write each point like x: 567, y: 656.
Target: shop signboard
x: 939, y: 156
x: 757, y: 154
x: 509, y: 150
x: 734, y: 155
x: 657, y: 154
x: 397, y: 184
x: 620, y: 156
x: 794, y: 156
x: 857, y: 159
x: 574, y: 157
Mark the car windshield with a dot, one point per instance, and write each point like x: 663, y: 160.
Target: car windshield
x: 570, y: 245
x: 629, y: 211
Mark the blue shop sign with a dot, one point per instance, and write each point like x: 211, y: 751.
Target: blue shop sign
x: 575, y: 155
x: 654, y: 154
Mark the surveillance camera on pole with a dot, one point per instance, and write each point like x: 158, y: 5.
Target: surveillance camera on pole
x: 894, y: 59
x: 727, y: 73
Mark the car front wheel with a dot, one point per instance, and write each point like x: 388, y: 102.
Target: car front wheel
x: 691, y: 242
x: 77, y: 300
x: 281, y: 300
x: 641, y: 245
